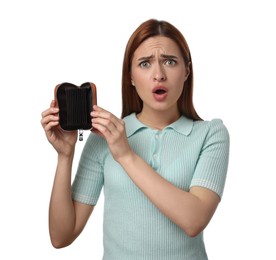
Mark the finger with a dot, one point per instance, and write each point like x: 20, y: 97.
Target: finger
x: 102, y: 113
x: 97, y: 108
x: 108, y: 124
x: 96, y: 131
x: 50, y: 111
x: 48, y: 119
x: 102, y: 130
x: 100, y: 110
x: 48, y: 127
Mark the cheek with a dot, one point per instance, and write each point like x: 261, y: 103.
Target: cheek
x: 178, y: 92
x: 140, y: 91
x: 180, y: 76
x: 140, y: 78
x: 179, y: 83
x: 140, y: 83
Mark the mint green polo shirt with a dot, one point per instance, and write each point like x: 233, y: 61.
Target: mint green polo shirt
x: 186, y: 153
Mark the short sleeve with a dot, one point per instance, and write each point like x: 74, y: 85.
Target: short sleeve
x: 211, y: 168
x: 88, y: 181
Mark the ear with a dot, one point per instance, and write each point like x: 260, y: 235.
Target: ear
x: 187, y: 71
x: 132, y: 82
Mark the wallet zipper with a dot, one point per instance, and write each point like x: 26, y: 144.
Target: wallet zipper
x: 81, y: 134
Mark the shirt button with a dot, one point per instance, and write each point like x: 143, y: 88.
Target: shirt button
x: 155, y: 156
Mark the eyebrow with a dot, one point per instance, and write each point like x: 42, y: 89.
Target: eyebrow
x: 162, y: 56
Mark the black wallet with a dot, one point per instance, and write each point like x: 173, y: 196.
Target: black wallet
x: 75, y: 104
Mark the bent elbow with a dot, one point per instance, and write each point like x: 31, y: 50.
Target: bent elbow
x: 58, y: 243
x: 193, y: 230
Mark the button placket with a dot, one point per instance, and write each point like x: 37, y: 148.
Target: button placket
x: 156, y: 151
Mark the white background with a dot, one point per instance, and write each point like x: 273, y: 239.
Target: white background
x: 43, y: 43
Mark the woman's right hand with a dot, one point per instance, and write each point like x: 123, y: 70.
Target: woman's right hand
x: 63, y: 141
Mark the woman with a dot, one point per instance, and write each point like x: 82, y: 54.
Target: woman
x: 163, y: 168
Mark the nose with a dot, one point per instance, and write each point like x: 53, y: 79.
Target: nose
x: 159, y: 73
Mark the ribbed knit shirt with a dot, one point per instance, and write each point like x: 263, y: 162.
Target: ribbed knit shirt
x: 186, y: 153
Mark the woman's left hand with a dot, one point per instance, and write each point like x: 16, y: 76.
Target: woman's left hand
x: 113, y: 130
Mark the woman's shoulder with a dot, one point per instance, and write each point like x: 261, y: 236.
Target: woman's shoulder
x: 213, y: 123
x: 214, y: 126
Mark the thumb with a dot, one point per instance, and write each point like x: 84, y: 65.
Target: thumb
x: 53, y: 103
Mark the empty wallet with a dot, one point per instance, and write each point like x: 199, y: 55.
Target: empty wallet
x: 75, y: 104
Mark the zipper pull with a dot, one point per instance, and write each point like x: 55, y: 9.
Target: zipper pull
x: 81, y: 135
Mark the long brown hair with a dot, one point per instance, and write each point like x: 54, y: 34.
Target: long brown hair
x: 150, y: 28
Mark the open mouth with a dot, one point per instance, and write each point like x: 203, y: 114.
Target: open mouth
x: 160, y: 90
x: 160, y: 93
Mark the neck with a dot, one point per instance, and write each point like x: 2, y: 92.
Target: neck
x: 158, y: 119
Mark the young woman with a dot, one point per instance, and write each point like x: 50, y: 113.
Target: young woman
x: 162, y: 167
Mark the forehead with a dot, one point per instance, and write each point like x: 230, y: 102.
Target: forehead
x: 159, y: 44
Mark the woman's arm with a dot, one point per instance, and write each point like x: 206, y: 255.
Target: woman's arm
x: 191, y: 210
x: 66, y: 217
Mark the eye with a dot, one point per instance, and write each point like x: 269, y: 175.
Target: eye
x: 144, y: 64
x: 170, y: 62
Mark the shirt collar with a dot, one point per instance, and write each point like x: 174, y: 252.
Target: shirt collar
x: 132, y: 124
x: 183, y: 125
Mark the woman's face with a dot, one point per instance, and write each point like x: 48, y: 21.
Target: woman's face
x: 158, y: 73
